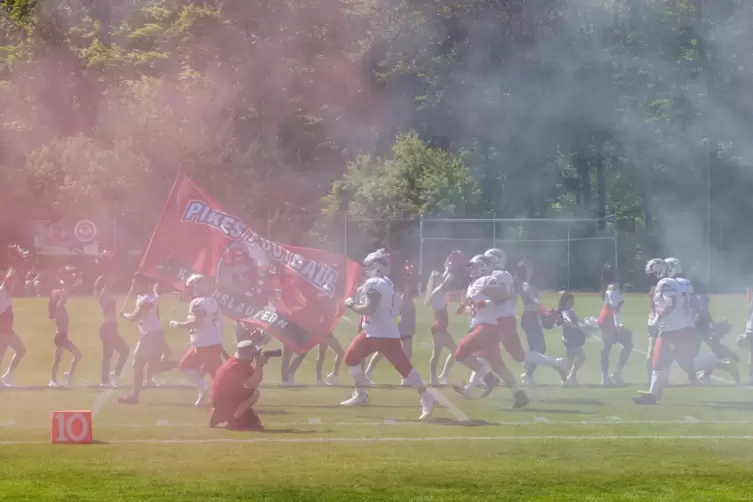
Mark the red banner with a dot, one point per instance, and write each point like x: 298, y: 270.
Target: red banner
x: 296, y: 294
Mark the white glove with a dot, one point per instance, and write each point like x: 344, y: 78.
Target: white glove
x: 173, y: 324
x: 349, y: 302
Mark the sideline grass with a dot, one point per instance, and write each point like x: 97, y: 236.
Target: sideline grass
x: 509, y: 469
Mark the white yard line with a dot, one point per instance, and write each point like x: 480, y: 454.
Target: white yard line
x: 103, y: 397
x: 446, y: 403
x: 378, y: 439
x: 415, y: 423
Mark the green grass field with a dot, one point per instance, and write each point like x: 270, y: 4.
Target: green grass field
x: 585, y: 443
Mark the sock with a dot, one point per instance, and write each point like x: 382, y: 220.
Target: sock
x: 476, y: 376
x: 358, y: 376
x: 659, y: 379
x: 705, y: 362
x: 540, y: 359
x: 414, y: 379
x: 195, y: 379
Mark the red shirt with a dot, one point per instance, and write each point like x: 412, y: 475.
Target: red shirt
x: 231, y: 378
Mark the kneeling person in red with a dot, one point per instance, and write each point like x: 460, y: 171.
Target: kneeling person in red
x: 235, y: 389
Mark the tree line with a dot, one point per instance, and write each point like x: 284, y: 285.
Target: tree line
x: 301, y: 112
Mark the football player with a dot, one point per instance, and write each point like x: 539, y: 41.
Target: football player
x: 675, y: 341
x: 203, y: 325
x: 507, y: 321
x: 379, y: 333
x: 702, y: 363
x: 407, y: 323
x: 484, y: 295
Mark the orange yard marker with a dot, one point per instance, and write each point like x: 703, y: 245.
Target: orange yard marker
x: 71, y: 427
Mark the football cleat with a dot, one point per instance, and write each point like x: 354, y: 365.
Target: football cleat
x: 520, y: 400
x: 427, y: 406
x: 645, y: 399
x: 359, y: 398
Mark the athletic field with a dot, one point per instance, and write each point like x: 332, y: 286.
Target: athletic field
x: 584, y: 443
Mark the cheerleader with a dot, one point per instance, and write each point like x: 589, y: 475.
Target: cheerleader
x: 530, y: 321
x: 437, y: 288
x: 8, y: 337
x: 573, y: 337
x: 334, y: 344
x: 112, y: 342
x: 56, y: 310
x: 612, y: 330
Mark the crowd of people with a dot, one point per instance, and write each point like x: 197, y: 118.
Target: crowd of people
x: 678, y: 322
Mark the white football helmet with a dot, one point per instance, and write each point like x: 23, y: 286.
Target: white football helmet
x: 657, y: 268
x: 497, y: 256
x: 480, y: 266
x: 674, y: 267
x: 199, y: 284
x: 377, y: 264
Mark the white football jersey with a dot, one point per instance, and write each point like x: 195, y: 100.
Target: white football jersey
x: 477, y: 293
x: 207, y: 332
x: 652, y: 307
x: 665, y: 290
x: 688, y: 301
x: 149, y: 322
x: 504, y: 279
x: 381, y: 324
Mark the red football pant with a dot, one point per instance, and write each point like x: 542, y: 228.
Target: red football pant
x: 484, y: 341
x: 363, y: 346
x: 681, y: 345
x: 208, y: 358
x: 508, y: 333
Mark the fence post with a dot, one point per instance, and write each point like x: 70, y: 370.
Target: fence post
x: 345, y: 233
x: 421, y: 245
x: 568, y: 256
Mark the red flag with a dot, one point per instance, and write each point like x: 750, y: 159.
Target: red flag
x: 296, y: 294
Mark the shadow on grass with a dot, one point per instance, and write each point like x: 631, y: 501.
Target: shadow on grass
x: 581, y: 402
x: 272, y: 412
x: 727, y: 405
x: 556, y: 411
x: 8, y: 388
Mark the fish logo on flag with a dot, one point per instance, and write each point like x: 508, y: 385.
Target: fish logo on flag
x: 294, y: 293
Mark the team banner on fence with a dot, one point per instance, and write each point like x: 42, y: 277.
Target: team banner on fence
x: 295, y: 293
x: 66, y: 237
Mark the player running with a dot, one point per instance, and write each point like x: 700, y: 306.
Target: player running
x: 506, y: 318
x: 675, y: 341
x: 380, y: 333
x: 690, y: 307
x: 485, y: 294
x: 203, y: 325
x: 407, y: 323
x: 8, y: 337
x: 612, y: 330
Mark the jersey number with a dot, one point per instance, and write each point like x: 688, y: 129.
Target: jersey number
x: 686, y: 304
